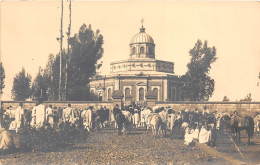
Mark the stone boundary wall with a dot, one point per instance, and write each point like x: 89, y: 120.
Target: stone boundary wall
x: 242, y: 107
x: 74, y: 104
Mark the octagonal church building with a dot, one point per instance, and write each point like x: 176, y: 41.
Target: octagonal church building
x: 140, y: 73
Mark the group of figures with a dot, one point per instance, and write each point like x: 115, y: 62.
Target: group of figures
x: 186, y: 123
x: 189, y: 124
x: 64, y: 118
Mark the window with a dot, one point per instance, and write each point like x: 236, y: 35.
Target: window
x: 127, y: 92
x: 142, y: 50
x: 100, y: 97
x: 133, y: 50
x: 150, y: 50
x: 141, y: 94
x: 156, y: 91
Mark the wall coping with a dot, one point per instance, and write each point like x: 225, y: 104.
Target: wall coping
x: 157, y: 102
x: 204, y: 102
x: 71, y: 102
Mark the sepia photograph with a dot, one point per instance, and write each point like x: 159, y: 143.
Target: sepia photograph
x: 129, y: 82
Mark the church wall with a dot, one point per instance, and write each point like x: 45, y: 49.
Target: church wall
x: 243, y: 107
x: 163, y: 84
x: 99, y: 85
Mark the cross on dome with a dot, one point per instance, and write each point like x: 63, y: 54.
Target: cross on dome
x: 142, y: 29
x: 142, y: 21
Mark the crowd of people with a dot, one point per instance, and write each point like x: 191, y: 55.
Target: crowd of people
x: 53, y: 117
x: 191, y: 125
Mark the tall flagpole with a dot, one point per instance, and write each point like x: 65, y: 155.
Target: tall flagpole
x: 61, y: 36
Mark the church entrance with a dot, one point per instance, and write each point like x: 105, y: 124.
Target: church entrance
x: 156, y: 91
x: 100, y: 97
x: 141, y: 94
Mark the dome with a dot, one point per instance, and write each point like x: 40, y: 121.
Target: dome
x: 142, y: 37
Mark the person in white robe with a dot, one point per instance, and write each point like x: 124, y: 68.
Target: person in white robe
x: 19, y: 117
x: 6, y: 140
x: 190, y: 134
x: 172, y: 118
x: 49, y: 116
x: 136, y: 119
x: 40, y: 115
x: 204, y: 135
x: 66, y: 114
x: 257, y: 122
x: 33, y: 121
x: 87, y: 116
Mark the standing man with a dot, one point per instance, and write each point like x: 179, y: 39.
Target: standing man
x: 66, y: 114
x: 33, y: 121
x: 40, y: 115
x: 49, y: 116
x: 19, y: 117
x: 116, y: 111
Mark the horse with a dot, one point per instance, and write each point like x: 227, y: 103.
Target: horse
x: 239, y: 123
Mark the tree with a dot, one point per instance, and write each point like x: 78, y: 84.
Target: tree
x: 40, y: 86
x: 200, y: 85
x: 21, y: 86
x: 2, y: 78
x: 86, y: 51
x: 247, y: 98
x: 46, y: 83
x: 225, y: 98
x: 82, y: 60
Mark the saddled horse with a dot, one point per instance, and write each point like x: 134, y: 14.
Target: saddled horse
x: 242, y: 123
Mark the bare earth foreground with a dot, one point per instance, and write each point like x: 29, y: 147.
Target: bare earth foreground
x: 106, y: 147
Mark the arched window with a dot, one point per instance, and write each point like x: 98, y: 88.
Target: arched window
x: 142, y: 50
x: 141, y: 94
x: 109, y: 94
x: 133, y: 50
x: 156, y: 91
x: 150, y: 50
x: 100, y: 97
x: 127, y: 92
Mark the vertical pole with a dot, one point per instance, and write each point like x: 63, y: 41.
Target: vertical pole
x: 68, y: 54
x: 1, y: 110
x: 61, y: 36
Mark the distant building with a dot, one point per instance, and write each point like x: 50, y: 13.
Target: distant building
x: 138, y: 74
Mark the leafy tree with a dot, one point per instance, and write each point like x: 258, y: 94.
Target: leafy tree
x: 83, y: 59
x: 46, y: 83
x: 21, y: 86
x: 200, y: 85
x: 2, y: 78
x: 51, y: 85
x: 40, y: 86
x: 247, y: 98
x: 86, y: 51
x: 225, y: 98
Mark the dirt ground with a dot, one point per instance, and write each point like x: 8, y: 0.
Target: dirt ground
x: 106, y: 147
x: 249, y: 154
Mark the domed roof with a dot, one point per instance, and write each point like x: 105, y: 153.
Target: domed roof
x: 142, y: 37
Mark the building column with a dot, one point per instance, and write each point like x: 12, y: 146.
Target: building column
x: 165, y: 91
x: 116, y: 81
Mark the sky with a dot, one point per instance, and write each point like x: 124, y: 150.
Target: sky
x: 29, y: 29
